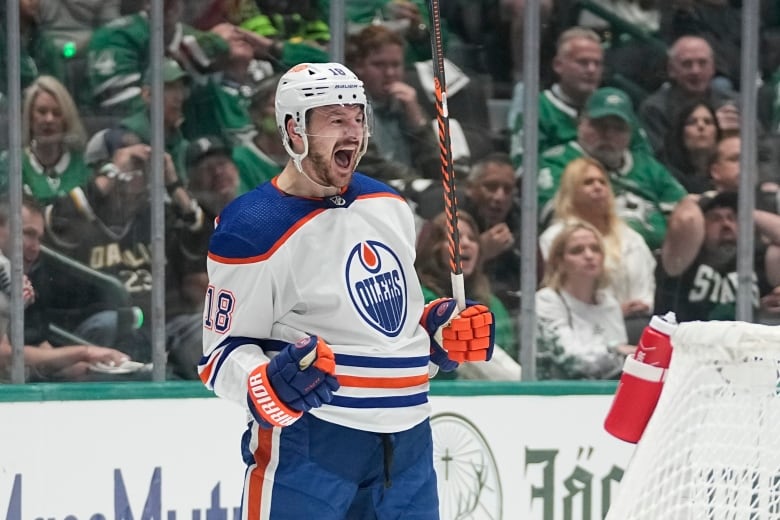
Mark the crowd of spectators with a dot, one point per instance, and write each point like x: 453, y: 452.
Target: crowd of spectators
x: 638, y: 147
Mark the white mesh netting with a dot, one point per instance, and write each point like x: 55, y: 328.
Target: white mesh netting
x: 712, y: 448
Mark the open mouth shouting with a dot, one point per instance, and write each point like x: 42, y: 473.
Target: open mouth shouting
x: 344, y: 159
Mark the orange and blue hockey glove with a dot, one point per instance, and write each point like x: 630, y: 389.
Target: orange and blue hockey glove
x: 457, y: 337
x: 299, y: 378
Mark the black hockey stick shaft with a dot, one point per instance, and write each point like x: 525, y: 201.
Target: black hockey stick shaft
x: 445, y: 154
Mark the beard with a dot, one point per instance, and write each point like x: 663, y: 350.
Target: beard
x: 721, y: 256
x: 611, y: 158
x: 320, y: 167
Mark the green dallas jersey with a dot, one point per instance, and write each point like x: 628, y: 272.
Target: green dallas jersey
x: 218, y: 108
x: 47, y: 184
x: 254, y: 166
x: 361, y: 13
x: 645, y: 191
x: 558, y: 125
x: 118, y: 58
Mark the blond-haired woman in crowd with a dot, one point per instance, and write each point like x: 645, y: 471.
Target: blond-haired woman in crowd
x: 581, y: 334
x: 53, y: 141
x: 586, y: 194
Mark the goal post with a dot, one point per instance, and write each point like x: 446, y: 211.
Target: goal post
x: 711, y: 450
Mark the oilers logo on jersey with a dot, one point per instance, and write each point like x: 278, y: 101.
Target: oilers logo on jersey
x: 377, y: 286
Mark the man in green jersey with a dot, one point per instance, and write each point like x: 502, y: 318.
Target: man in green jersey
x: 262, y: 156
x: 136, y: 127
x: 645, y: 191
x: 118, y: 55
x: 579, y: 65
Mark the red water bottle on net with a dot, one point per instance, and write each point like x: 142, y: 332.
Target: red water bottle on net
x: 642, y: 380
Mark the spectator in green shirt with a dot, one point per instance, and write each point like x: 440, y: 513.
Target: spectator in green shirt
x: 645, y: 191
x: 409, y: 18
x: 118, y: 55
x: 262, y: 156
x: 136, y: 127
x: 53, y: 142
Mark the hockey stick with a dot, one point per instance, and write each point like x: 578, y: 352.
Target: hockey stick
x: 445, y: 154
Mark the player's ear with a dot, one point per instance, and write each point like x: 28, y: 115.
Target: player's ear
x: 293, y: 130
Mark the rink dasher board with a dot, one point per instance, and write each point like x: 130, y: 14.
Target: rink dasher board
x: 505, y: 450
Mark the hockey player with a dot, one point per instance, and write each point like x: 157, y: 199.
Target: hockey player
x: 314, y: 321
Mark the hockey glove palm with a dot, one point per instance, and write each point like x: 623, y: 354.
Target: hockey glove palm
x: 299, y: 378
x: 455, y: 338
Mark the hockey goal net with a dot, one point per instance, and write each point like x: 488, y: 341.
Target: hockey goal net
x: 711, y: 451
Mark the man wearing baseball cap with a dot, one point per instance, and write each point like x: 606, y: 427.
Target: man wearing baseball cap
x: 214, y: 178
x: 579, y: 66
x: 697, y: 275
x: 136, y: 127
x: 645, y: 191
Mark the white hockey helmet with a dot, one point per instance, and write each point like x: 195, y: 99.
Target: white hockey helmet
x: 310, y: 85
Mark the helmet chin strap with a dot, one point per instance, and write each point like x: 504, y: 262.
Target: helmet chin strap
x: 297, y: 158
x: 324, y: 187
x: 327, y: 190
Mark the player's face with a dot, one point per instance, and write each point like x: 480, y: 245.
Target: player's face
x: 725, y: 169
x: 605, y: 139
x: 700, y: 131
x: 47, y: 123
x: 335, y: 134
x: 582, y: 256
x: 492, y: 193
x: 593, y: 190
x: 380, y: 69
x: 580, y: 67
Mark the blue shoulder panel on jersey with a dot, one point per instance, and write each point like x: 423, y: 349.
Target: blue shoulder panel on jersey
x: 251, y: 225
x: 364, y: 185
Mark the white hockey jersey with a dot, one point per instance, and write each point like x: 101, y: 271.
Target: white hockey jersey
x: 342, y: 268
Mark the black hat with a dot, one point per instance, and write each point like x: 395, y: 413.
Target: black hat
x: 203, y: 146
x: 718, y: 199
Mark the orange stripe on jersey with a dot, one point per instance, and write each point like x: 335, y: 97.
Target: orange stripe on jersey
x: 382, y: 382
x: 275, y: 183
x: 205, y: 372
x: 256, y: 478
x: 380, y: 195
x: 265, y: 256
